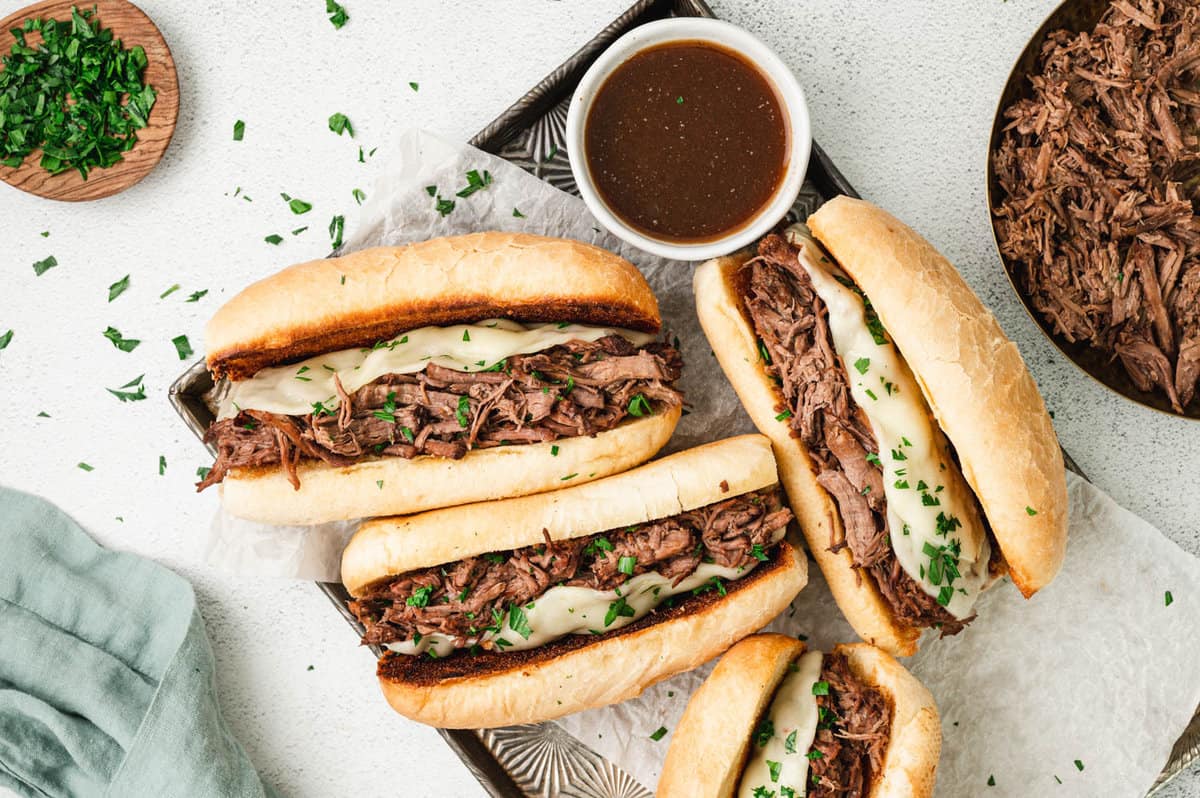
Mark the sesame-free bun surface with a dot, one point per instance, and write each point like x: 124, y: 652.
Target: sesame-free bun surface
x: 732, y: 338
x: 580, y: 672
x: 376, y: 294
x: 711, y: 744
x: 671, y: 485
x: 395, y: 485
x: 972, y: 375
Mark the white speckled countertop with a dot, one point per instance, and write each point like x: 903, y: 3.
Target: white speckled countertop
x: 902, y: 97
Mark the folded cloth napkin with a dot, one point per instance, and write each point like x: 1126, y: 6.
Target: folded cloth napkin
x: 106, y: 675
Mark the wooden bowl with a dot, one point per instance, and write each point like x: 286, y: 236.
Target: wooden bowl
x: 132, y: 27
x: 1075, y: 16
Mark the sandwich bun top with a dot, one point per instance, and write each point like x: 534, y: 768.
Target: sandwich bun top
x: 710, y: 746
x: 375, y: 294
x: 972, y: 376
x: 693, y: 478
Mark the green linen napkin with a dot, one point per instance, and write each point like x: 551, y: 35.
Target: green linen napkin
x: 106, y: 675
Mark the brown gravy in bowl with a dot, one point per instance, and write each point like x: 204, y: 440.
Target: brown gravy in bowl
x: 686, y: 141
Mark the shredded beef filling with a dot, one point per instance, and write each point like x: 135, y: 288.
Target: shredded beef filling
x: 1100, y: 178
x: 579, y: 388
x: 852, y: 734
x: 464, y: 598
x: 792, y: 323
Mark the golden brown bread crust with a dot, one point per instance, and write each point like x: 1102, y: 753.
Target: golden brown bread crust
x: 972, y: 375
x: 731, y: 335
x: 679, y: 482
x: 710, y: 745
x: 375, y: 294
x: 580, y: 672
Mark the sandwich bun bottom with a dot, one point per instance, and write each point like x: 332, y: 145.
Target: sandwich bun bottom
x: 710, y: 746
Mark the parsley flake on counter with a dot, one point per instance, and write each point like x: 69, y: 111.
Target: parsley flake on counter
x: 298, y: 206
x: 162, y: 465
x: 340, y: 122
x: 1079, y: 765
x: 1030, y: 511
x: 359, y: 195
x: 182, y: 346
x: 196, y: 296
x: 658, y: 733
x: 77, y: 95
x: 431, y: 190
x: 169, y: 291
x: 44, y: 234
x: 136, y: 395
x: 991, y: 782
x: 299, y: 230
x: 274, y: 238
x: 119, y: 341
x: 414, y: 85
x: 6, y: 339
x: 336, y: 226
x: 43, y: 266
x: 518, y: 214
x: 337, y: 14
x: 84, y: 467
x: 43, y: 414
x: 202, y: 471
x: 239, y: 130
x: 118, y: 288
x: 1168, y: 599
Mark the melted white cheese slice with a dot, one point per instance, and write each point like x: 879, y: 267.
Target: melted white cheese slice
x: 931, y: 510
x: 567, y: 610
x: 783, y: 761
x: 294, y: 389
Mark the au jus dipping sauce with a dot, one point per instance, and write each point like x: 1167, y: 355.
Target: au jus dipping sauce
x: 686, y: 141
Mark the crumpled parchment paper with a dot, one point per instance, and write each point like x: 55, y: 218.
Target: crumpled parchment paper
x: 1097, y: 668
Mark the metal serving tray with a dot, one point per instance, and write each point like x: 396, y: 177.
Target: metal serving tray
x: 541, y: 759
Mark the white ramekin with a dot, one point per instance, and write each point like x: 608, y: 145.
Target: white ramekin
x: 731, y: 37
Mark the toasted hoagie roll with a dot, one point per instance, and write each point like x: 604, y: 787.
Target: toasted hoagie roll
x: 774, y: 719
x: 529, y: 608
x: 399, y: 379
x: 911, y: 439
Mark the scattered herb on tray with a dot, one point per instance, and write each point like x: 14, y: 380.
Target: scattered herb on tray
x: 182, y: 347
x: 43, y: 266
x: 136, y: 395
x: 340, y: 123
x: 6, y: 339
x: 79, y: 96
x: 298, y: 206
x: 119, y: 341
x: 239, y: 130
x: 337, y: 14
x: 336, y: 226
x: 118, y: 288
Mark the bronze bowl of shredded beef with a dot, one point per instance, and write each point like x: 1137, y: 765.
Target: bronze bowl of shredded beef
x: 1094, y: 187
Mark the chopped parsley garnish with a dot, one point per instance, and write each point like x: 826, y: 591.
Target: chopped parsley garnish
x: 814, y: 755
x: 43, y: 266
x: 431, y: 190
x: 639, y: 406
x: 784, y: 416
x: 871, y: 394
x: 1030, y: 511
x: 763, y: 354
x: 420, y: 597
x: 679, y: 100
x: 598, y: 545
x: 359, y: 195
x: 991, y: 782
x: 1168, y: 599
x: 274, y: 238
x: 463, y: 413
x: 658, y: 733
x: 162, y: 465
x: 340, y: 123
x: 764, y: 732
x: 78, y: 96
x: 412, y: 84
x: 6, y: 339
x: 239, y: 130
x: 551, y: 153
x: 202, y: 471
x: 136, y: 395
x: 862, y: 365
x: 118, y: 288
x: 569, y: 476
x: 618, y: 609
x: 299, y: 230
x: 897, y: 454
x: 873, y: 459
x: 518, y: 214
x: 1079, y: 765
x: 319, y: 409
x: 773, y: 768
x: 182, y: 347
x: 554, y: 450
x: 120, y: 342
x: 407, y: 433
x: 475, y: 182
x: 298, y: 206
x: 467, y: 336
x: 494, y: 558
x: 820, y: 688
x: 789, y: 743
x: 196, y: 296
x: 518, y: 622
x: 337, y: 14
x: 84, y: 467
x: 762, y: 792
x: 444, y: 206
x: 756, y: 551
x: 388, y: 413
x: 626, y: 565
x: 337, y: 226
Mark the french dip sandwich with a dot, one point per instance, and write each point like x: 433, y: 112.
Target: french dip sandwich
x: 398, y: 379
x: 774, y: 720
x: 911, y: 439
x: 529, y: 608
